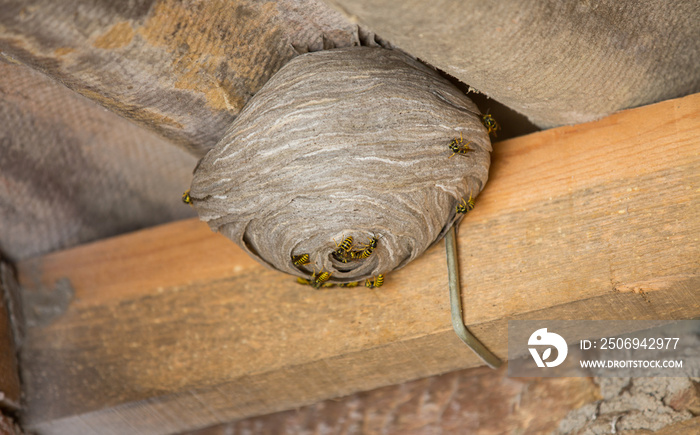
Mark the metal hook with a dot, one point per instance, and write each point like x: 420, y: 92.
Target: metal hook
x: 460, y: 328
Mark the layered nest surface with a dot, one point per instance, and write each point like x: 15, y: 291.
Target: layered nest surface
x: 349, y: 143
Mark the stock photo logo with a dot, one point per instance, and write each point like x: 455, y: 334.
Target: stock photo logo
x: 550, y: 339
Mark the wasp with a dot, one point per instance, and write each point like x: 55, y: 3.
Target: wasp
x: 457, y: 146
x: 344, y: 253
x: 344, y: 247
x: 378, y: 282
x: 300, y: 260
x: 318, y: 280
x: 186, y: 197
x: 490, y: 124
x: 349, y: 284
x: 346, y: 258
x: 466, y: 206
x: 367, y: 251
x: 315, y: 283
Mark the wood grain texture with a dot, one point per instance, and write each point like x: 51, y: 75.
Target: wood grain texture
x: 182, y: 70
x: 175, y: 328
x: 72, y: 172
x: 687, y: 427
x: 8, y: 425
x: 555, y: 62
x: 477, y: 401
x: 480, y: 401
x: 10, y: 391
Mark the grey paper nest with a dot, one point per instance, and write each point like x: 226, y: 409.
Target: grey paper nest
x: 347, y: 142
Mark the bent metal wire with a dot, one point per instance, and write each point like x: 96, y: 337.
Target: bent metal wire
x: 460, y: 328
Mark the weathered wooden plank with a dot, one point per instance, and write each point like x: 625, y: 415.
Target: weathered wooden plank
x: 174, y: 328
x: 10, y: 392
x: 183, y: 70
x: 555, y: 62
x: 480, y: 401
x: 72, y: 172
x: 687, y: 427
x: 473, y: 401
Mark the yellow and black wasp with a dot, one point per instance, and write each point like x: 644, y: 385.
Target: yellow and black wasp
x: 466, y: 206
x: 457, y: 146
x: 300, y: 260
x: 490, y: 124
x: 320, y: 280
x: 303, y: 281
x: 186, y: 197
x: 368, y: 249
x: 317, y: 281
x: 343, y: 252
x: 345, y: 245
x: 349, y: 284
x: 377, y: 282
x: 347, y: 257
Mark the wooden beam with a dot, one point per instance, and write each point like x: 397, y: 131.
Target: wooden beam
x: 180, y: 70
x: 72, y: 172
x: 10, y: 392
x: 525, y: 55
x: 471, y: 401
x: 175, y: 328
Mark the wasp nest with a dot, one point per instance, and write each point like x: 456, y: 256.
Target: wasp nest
x: 365, y: 143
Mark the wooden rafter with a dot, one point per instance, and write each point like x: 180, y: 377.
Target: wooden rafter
x: 175, y: 328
